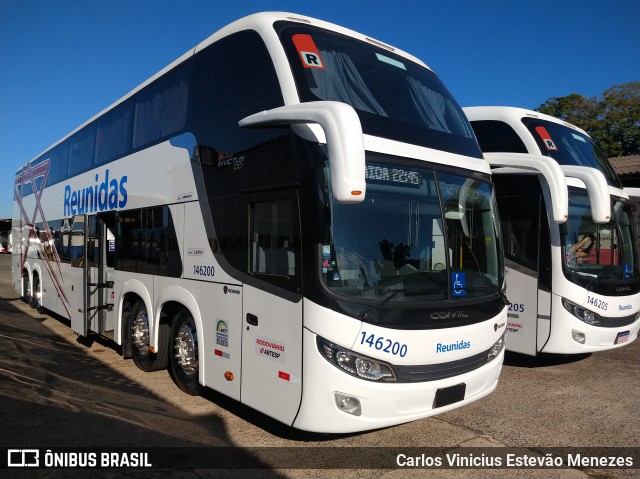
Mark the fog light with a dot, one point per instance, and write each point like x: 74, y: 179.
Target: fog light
x: 578, y: 336
x: 348, y: 404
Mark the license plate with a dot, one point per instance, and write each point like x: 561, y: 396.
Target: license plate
x: 450, y: 395
x: 622, y: 337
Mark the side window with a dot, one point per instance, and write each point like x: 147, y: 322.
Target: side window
x: 81, y: 150
x: 131, y: 237
x: 161, y: 109
x: 234, y: 78
x: 147, y: 242
x: 272, y: 238
x: 58, y: 163
x: 497, y: 136
x: 93, y: 242
x: 113, y: 134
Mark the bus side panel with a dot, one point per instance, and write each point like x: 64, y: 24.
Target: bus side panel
x: 272, y: 354
x: 544, y: 318
x: 522, y: 291
x: 216, y: 310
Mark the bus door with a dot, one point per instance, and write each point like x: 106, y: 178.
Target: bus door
x: 272, y: 307
x: 520, y: 217
x: 99, y: 273
x: 74, y: 245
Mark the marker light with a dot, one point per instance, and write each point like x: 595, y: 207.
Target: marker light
x: 356, y: 364
x: 356, y: 193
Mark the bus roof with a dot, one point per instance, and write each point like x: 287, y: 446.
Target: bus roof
x: 510, y: 114
x: 262, y: 23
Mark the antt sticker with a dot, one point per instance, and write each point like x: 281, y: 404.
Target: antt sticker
x: 309, y: 53
x: 546, y: 138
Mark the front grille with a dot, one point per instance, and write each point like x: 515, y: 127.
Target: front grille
x: 608, y: 322
x: 433, y: 372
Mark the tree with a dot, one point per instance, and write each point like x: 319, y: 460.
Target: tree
x: 612, y: 121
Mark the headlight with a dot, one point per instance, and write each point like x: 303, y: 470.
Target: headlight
x: 582, y: 314
x: 355, y: 364
x: 496, y: 348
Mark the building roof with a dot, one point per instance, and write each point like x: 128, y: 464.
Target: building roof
x: 626, y: 165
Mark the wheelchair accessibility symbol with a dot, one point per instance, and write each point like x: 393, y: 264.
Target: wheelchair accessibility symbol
x: 459, y: 284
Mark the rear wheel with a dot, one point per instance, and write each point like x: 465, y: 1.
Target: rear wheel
x: 36, y: 293
x: 184, y: 354
x: 140, y: 340
x: 26, y: 287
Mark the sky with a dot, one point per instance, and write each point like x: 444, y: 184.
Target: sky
x: 63, y: 61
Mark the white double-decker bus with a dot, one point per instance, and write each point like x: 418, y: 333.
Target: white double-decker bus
x: 574, y: 285
x: 292, y: 214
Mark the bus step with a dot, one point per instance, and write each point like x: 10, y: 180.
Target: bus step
x: 108, y: 307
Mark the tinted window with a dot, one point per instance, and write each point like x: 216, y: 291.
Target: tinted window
x: 272, y: 238
x: 147, y: 242
x: 113, y: 136
x: 81, y: 149
x: 234, y: 78
x: 161, y: 109
x: 570, y: 147
x: 394, y: 97
x: 58, y: 166
x: 497, y: 136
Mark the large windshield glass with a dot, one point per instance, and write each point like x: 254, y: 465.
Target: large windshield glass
x: 594, y: 251
x: 570, y: 147
x: 419, y: 235
x: 395, y: 98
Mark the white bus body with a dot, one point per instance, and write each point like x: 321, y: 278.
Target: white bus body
x: 561, y: 303
x: 292, y: 214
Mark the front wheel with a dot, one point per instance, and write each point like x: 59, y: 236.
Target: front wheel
x: 183, y: 351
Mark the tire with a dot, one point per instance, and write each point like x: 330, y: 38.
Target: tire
x: 36, y: 293
x: 138, y: 324
x: 183, y: 347
x: 26, y: 288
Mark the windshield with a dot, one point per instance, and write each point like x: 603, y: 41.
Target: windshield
x: 394, y: 97
x: 419, y: 235
x: 593, y: 251
x: 570, y: 147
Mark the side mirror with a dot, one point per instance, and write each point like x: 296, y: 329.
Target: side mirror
x: 345, y: 141
x: 597, y: 188
x: 544, y: 165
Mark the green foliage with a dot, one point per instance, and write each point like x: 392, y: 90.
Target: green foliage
x: 613, y: 121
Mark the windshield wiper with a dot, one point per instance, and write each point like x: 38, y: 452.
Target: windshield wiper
x: 366, y: 313
x: 494, y: 289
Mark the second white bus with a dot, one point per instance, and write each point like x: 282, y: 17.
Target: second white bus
x: 574, y: 285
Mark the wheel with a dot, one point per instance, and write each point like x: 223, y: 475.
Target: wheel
x: 140, y: 338
x: 26, y: 287
x: 36, y: 295
x: 184, y: 354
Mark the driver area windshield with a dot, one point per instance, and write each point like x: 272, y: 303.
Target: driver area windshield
x: 418, y: 236
x: 595, y: 252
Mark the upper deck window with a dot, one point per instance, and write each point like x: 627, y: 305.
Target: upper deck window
x: 570, y: 147
x: 395, y: 98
